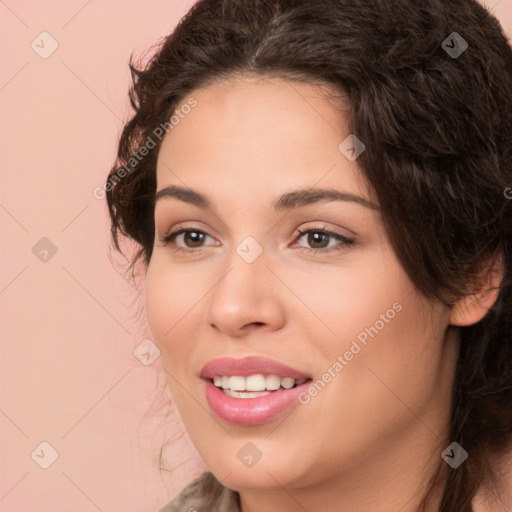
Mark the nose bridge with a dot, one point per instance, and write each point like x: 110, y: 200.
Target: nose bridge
x: 245, y: 293
x: 246, y: 273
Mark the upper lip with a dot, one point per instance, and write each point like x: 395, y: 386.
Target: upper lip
x: 246, y: 366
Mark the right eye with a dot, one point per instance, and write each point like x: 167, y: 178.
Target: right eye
x: 192, y: 238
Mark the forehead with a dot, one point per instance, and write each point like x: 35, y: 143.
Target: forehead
x: 259, y: 133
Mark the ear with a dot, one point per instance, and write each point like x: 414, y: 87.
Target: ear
x: 472, y: 308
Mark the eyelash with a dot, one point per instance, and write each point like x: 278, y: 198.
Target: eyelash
x: 345, y: 242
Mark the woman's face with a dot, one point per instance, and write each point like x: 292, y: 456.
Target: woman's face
x: 243, y: 283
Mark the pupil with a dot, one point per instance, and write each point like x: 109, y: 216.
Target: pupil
x: 194, y: 234
x: 312, y: 239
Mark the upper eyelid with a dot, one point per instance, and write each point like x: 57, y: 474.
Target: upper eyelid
x: 321, y: 225
x: 298, y: 233
x: 181, y: 227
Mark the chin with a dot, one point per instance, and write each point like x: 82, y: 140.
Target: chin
x: 264, y: 474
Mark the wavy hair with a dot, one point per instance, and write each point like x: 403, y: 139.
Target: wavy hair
x: 438, y: 128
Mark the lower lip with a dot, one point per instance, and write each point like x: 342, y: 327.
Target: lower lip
x: 252, y: 411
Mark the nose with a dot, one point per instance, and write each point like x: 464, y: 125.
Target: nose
x: 247, y: 297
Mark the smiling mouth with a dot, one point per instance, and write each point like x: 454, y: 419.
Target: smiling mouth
x: 254, y: 386
x: 263, y: 397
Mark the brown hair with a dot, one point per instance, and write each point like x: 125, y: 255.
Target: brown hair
x: 438, y: 135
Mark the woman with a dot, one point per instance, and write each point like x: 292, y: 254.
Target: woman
x: 318, y: 191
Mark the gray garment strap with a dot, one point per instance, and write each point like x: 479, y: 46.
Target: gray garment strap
x: 205, y: 494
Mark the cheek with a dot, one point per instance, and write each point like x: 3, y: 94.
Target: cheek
x: 169, y: 294
x: 169, y: 301
x: 388, y: 368
x: 382, y: 336
x: 159, y: 299
x: 360, y: 301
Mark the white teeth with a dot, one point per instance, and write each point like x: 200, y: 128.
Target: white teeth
x: 287, y: 382
x: 246, y: 394
x: 237, y: 383
x: 272, y: 382
x: 255, y: 383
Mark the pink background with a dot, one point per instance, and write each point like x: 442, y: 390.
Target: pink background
x: 69, y: 324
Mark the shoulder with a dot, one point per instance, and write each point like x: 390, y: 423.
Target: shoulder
x: 204, y: 493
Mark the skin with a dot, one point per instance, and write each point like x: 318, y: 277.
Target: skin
x: 373, y: 436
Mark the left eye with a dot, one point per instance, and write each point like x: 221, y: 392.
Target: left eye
x: 320, y: 236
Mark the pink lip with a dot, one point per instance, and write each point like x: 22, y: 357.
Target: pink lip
x: 249, y: 366
x: 250, y: 411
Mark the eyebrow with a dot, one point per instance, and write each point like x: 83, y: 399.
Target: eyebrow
x: 287, y: 201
